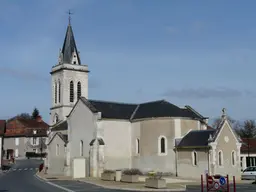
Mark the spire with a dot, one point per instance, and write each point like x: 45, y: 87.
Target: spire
x: 69, y: 51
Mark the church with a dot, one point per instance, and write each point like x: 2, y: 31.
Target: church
x: 90, y: 135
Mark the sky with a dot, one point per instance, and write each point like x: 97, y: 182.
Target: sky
x: 198, y: 53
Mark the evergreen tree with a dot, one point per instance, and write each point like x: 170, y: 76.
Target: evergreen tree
x: 35, y: 113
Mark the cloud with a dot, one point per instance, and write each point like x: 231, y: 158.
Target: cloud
x: 22, y: 74
x: 207, y: 93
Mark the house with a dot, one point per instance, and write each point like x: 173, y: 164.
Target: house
x: 2, y: 131
x: 24, y: 135
x: 102, y: 135
x: 216, y: 152
x: 248, y: 152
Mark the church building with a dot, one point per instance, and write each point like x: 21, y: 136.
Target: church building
x: 156, y: 135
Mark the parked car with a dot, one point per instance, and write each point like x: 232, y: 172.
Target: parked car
x: 249, y: 173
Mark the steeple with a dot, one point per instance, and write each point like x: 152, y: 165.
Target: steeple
x: 69, y: 53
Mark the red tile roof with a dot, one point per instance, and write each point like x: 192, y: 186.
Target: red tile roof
x: 2, y: 127
x: 17, y: 127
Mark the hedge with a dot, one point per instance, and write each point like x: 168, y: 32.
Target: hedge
x: 34, y: 155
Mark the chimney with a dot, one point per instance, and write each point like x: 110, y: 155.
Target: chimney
x: 39, y: 118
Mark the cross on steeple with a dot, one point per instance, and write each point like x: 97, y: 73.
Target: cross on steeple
x: 69, y: 16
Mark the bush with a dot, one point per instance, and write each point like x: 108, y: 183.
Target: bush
x: 155, y: 175
x: 108, y: 171
x: 35, y: 155
x: 132, y: 172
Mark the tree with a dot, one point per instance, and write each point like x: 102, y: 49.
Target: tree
x: 217, y: 121
x: 24, y: 116
x: 35, y: 113
x: 248, y: 129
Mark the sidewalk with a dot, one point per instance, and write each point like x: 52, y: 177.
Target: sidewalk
x: 98, y: 184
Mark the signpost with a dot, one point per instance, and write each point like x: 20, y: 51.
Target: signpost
x: 217, y: 183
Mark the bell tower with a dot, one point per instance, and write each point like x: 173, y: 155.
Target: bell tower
x: 69, y: 79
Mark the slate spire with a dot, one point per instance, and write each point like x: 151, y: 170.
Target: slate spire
x: 69, y: 53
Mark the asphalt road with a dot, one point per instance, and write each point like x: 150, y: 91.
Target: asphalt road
x: 20, y: 178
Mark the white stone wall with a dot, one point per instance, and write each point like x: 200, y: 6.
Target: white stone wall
x: 117, y: 138
x: 65, y: 76
x: 81, y: 127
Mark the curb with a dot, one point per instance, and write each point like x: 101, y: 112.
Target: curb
x: 50, y: 183
x: 133, y: 189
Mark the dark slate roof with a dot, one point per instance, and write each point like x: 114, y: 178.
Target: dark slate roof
x: 69, y: 46
x: 100, y: 140
x: 161, y: 108
x: 63, y: 125
x: 64, y: 137
x: 196, y: 138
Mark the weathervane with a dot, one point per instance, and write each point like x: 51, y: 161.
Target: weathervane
x: 69, y: 16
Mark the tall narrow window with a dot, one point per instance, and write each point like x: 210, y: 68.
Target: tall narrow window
x: 137, y: 146
x: 220, y: 158
x: 162, y: 145
x: 71, y: 94
x: 233, y: 158
x: 34, y: 140
x: 78, y: 90
x: 56, y: 118
x: 59, y: 91
x: 81, y: 148
x: 194, y: 158
x: 55, y: 94
x: 57, y: 150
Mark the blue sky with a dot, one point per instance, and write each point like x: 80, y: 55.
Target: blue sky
x: 198, y: 53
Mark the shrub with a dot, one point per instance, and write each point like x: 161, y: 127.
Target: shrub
x: 34, y: 155
x: 132, y: 172
x: 155, y: 175
x: 108, y: 171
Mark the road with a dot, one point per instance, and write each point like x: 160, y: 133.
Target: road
x: 21, y: 178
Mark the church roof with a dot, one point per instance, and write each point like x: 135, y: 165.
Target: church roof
x: 69, y: 46
x: 191, y: 139
x: 61, y: 126
x: 129, y: 111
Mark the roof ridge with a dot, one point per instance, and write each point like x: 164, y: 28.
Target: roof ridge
x: 155, y: 101
x: 114, y: 102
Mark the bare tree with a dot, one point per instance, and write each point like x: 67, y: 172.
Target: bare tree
x: 248, y: 129
x: 217, y: 121
x: 24, y: 116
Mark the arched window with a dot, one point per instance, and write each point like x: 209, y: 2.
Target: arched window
x: 233, y: 158
x: 71, y: 94
x: 220, y: 158
x: 57, y: 150
x: 137, y: 146
x: 56, y: 118
x: 55, y: 90
x: 59, y: 90
x: 81, y: 148
x: 78, y: 90
x: 194, y: 158
x: 162, y: 145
